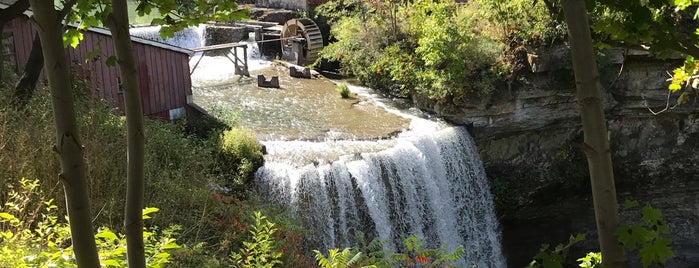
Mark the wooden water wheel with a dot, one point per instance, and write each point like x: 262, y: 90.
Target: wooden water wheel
x: 308, y: 30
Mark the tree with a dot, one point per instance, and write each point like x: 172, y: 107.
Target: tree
x: 68, y: 146
x: 118, y: 23
x: 115, y: 16
x: 596, y: 143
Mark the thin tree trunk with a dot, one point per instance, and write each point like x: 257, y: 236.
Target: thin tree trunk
x: 24, y: 90
x: 118, y: 23
x: 596, y: 144
x: 68, y: 146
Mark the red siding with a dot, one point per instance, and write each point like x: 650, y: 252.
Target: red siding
x: 163, y: 74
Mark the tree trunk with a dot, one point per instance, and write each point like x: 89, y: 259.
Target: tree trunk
x: 118, y: 23
x: 68, y: 146
x: 24, y: 90
x: 596, y: 144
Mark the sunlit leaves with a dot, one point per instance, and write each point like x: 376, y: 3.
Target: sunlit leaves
x: 32, y: 235
x: 72, y: 37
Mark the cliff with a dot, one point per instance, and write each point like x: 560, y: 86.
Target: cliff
x: 529, y: 140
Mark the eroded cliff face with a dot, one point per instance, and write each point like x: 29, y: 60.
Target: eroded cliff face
x: 529, y: 139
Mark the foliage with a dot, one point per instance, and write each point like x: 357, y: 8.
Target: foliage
x: 418, y: 256
x: 591, y: 260
x: 340, y: 259
x: 263, y: 250
x: 659, y: 26
x: 240, y: 154
x: 554, y: 258
x: 33, y: 236
x: 428, y: 48
x: 650, y: 236
x: 532, y: 24
x: 414, y: 255
x: 343, y: 90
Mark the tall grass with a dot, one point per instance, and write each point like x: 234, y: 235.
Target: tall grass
x: 181, y: 173
x: 177, y: 168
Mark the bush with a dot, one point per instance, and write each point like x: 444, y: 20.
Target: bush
x: 343, y: 89
x: 34, y: 236
x: 240, y: 155
x: 427, y: 48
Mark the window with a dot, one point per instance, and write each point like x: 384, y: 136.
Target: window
x: 8, y: 53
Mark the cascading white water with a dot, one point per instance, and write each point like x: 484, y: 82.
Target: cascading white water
x: 431, y: 184
x: 191, y: 37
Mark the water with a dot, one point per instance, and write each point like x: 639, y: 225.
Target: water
x: 341, y: 169
x: 189, y: 38
x: 431, y: 184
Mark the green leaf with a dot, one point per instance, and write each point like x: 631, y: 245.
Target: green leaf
x: 630, y: 204
x: 6, y: 216
x: 111, y: 263
x: 651, y: 215
x: 72, y: 37
x: 657, y: 252
x: 107, y: 235
x: 674, y: 87
x: 147, y: 211
x: 111, y: 61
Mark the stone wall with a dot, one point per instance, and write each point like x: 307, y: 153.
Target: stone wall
x: 223, y: 34
x: 285, y: 4
x: 529, y: 139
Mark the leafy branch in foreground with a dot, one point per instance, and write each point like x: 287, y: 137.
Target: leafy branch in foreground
x: 31, y: 234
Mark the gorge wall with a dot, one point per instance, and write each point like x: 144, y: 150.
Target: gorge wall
x: 529, y: 139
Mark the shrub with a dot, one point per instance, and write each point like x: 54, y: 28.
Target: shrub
x: 427, y: 48
x: 240, y: 155
x: 34, y: 236
x: 263, y: 250
x: 343, y: 89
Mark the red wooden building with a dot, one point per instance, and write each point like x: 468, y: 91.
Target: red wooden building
x: 163, y: 70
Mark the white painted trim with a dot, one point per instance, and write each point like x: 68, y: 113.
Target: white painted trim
x: 145, y: 41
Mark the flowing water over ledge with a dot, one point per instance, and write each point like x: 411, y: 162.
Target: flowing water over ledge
x: 346, y: 167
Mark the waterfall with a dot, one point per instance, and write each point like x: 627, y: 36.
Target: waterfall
x: 429, y: 184
x: 191, y: 37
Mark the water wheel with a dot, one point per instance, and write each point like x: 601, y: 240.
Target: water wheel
x: 308, y: 30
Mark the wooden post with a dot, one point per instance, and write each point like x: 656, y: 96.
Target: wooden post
x: 245, y: 59
x: 235, y: 62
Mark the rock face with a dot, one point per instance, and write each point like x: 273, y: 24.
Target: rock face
x: 529, y: 139
x: 222, y: 34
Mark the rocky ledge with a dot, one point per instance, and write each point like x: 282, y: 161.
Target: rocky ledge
x: 529, y: 139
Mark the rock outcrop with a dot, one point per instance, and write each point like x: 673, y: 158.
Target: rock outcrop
x: 529, y: 140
